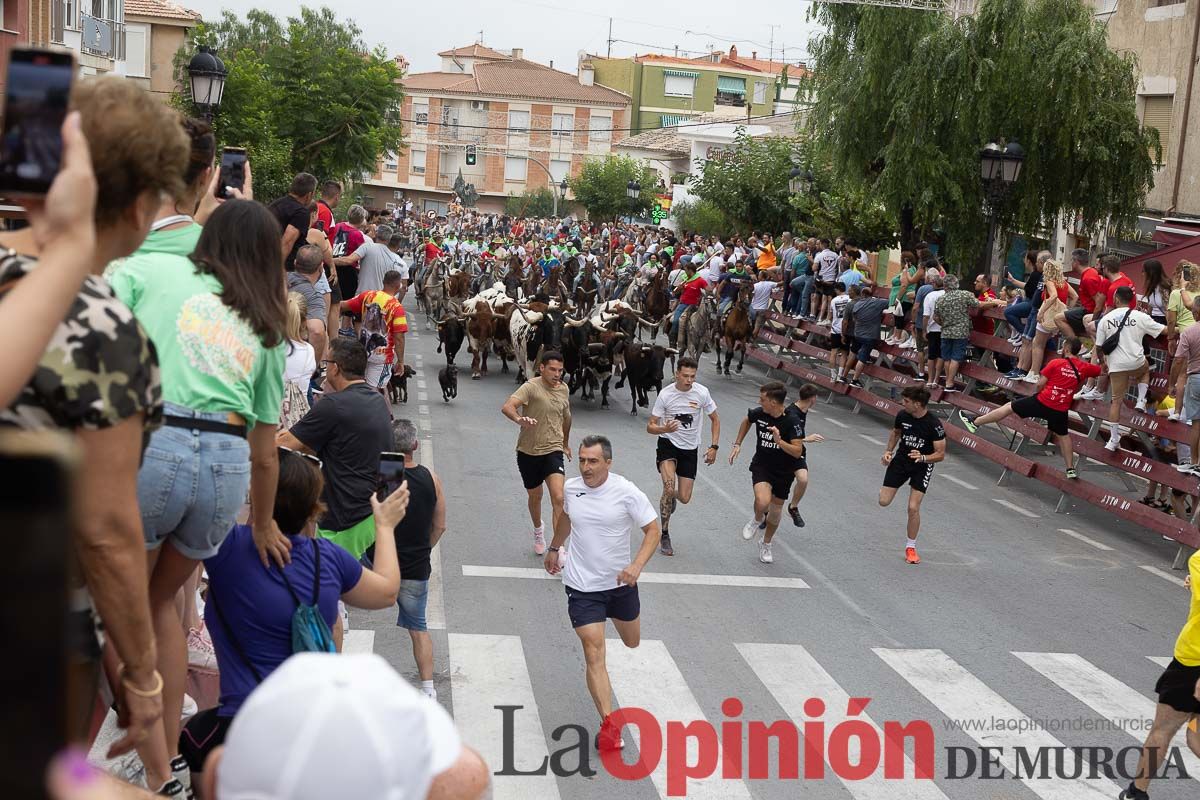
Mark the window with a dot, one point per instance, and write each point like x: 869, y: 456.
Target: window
x: 418, y: 162
x: 1156, y: 113
x: 563, y: 125
x: 518, y: 122
x: 678, y: 84
x: 135, y: 51
x: 421, y: 113
x: 730, y: 91
x: 600, y: 128
x: 560, y: 169
x: 390, y: 163
x: 515, y: 168
x: 760, y: 92
x: 71, y: 14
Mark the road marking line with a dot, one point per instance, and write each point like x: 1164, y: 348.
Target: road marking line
x: 358, y: 640
x: 435, y: 605
x: 422, y: 396
x: 1162, y: 573
x: 1082, y: 538
x: 1162, y: 661
x: 676, y: 578
x: 1016, y: 508
x: 792, y: 676
x: 421, y: 384
x: 872, y: 440
x: 667, y: 697
x: 426, y: 425
x: 960, y: 482
x: 833, y: 421
x: 1120, y: 704
x: 486, y: 671
x: 423, y: 409
x: 961, y: 696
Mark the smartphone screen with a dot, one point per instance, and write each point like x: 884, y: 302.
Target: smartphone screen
x: 233, y: 171
x: 35, y: 103
x: 391, y: 474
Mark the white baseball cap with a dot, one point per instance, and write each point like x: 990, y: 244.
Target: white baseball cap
x: 326, y: 725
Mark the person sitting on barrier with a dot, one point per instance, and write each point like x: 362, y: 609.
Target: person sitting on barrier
x: 1128, y: 361
x: 904, y: 286
x: 1056, y: 387
x: 868, y: 319
x: 1186, y: 387
x: 1034, y: 295
x: 1017, y: 313
x: 1077, y: 320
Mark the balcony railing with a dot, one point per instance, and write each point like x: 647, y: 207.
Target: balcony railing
x: 102, y: 37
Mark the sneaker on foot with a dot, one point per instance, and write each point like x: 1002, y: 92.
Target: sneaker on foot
x: 609, y: 736
x: 1014, y: 374
x: 1140, y: 405
x: 749, y: 529
x: 539, y: 542
x: 1073, y: 473
x: 131, y: 770
x: 180, y: 770
x: 1112, y: 445
x: 952, y: 388
x: 1133, y: 793
x: 1030, y: 377
x: 664, y: 545
x: 764, y: 553
x: 910, y: 555
x: 1173, y: 416
x: 797, y: 520
x: 172, y: 788
x: 856, y: 383
x: 201, y: 654
x: 969, y: 423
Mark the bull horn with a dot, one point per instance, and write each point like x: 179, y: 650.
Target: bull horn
x: 575, y: 323
x: 671, y: 351
x: 643, y: 321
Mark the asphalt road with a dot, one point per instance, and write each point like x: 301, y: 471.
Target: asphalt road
x: 1015, y: 613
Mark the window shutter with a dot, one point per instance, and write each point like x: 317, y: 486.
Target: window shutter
x: 1156, y: 113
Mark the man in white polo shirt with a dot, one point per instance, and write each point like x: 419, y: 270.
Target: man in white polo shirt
x: 677, y: 422
x: 601, y: 510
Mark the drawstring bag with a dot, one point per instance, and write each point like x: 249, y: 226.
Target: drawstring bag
x: 310, y: 633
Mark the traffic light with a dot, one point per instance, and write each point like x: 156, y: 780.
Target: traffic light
x: 470, y: 155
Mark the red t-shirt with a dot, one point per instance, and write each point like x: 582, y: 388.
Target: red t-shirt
x: 692, y: 290
x: 432, y: 251
x: 982, y: 323
x: 1061, y: 290
x: 324, y: 218
x: 1061, y: 383
x: 1091, y: 283
x: 344, y: 238
x: 1121, y: 280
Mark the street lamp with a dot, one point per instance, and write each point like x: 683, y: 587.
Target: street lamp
x: 562, y: 195
x: 633, y: 190
x: 800, y: 180
x: 999, y: 168
x: 207, y: 75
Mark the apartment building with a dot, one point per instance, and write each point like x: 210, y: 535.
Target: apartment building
x: 529, y: 126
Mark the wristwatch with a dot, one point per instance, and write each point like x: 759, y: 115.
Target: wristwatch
x: 713, y: 447
x: 554, y: 549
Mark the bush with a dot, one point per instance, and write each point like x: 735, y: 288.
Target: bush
x: 700, y: 216
x: 536, y: 203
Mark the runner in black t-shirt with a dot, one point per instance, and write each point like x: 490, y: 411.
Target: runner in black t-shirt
x: 778, y: 445
x: 799, y: 409
x: 922, y: 443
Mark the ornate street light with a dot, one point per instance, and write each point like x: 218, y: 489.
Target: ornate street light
x: 633, y: 190
x: 561, y: 195
x: 207, y: 75
x: 800, y: 180
x: 999, y: 168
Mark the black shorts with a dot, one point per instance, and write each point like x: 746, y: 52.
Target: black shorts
x: 348, y: 280
x: 201, y: 734
x: 1030, y: 406
x: 907, y: 309
x: 1176, y: 687
x: 902, y: 471
x: 781, y: 482
x: 586, y: 608
x: 685, y: 460
x: 802, y: 461
x: 825, y: 288
x: 838, y: 342
x: 934, y: 340
x: 1075, y: 320
x: 535, y: 469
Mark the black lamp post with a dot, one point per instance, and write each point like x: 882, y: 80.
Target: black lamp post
x: 800, y: 180
x: 633, y: 190
x: 207, y: 75
x: 999, y: 167
x: 562, y: 195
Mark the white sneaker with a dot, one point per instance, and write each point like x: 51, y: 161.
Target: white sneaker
x: 201, y: 654
x: 764, y: 553
x: 189, y: 707
x: 1083, y: 393
x: 908, y: 344
x: 1084, y: 354
x: 130, y: 769
x: 1112, y: 445
x: 1094, y: 394
x: 431, y: 692
x: 1140, y: 405
x: 1031, y: 377
x: 1173, y: 416
x: 539, y: 542
x: 749, y: 530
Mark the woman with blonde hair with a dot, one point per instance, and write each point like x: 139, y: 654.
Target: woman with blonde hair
x: 301, y: 363
x: 1179, y: 319
x: 1055, y: 294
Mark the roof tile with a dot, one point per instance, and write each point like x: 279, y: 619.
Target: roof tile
x: 516, y: 78
x: 160, y: 8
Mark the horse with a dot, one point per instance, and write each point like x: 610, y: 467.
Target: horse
x: 658, y: 300
x: 735, y: 330
x: 694, y: 327
x: 553, y: 286
x: 585, y: 293
x: 433, y: 293
x: 458, y: 287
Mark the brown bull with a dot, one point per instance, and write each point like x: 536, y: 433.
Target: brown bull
x: 736, y: 329
x: 481, y: 332
x: 458, y: 287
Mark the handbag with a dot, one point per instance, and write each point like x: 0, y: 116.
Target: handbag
x: 1110, y: 343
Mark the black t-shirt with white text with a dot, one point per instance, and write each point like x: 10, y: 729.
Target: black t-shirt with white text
x: 767, y: 453
x: 801, y: 419
x: 917, y: 433
x: 288, y: 211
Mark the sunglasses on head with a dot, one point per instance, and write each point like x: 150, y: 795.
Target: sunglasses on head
x: 311, y: 458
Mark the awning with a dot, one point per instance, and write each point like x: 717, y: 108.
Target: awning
x: 671, y: 120
x: 678, y: 73
x: 731, y: 85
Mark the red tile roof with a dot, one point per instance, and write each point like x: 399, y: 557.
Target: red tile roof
x: 160, y: 8
x: 516, y: 78
x: 473, y: 51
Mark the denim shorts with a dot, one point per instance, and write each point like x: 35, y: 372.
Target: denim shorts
x: 954, y: 349
x: 192, y: 485
x: 1191, y: 400
x: 413, y: 595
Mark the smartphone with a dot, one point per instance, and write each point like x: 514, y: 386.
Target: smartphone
x: 55, y: 701
x: 35, y: 104
x: 233, y: 171
x: 391, y: 474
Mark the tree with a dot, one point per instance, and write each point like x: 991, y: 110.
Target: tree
x: 308, y: 87
x: 601, y: 185
x: 748, y: 183
x: 837, y: 208
x: 904, y: 101
x: 536, y: 203
x: 700, y: 216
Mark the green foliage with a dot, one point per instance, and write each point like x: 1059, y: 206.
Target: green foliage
x: 536, y: 203
x: 1034, y: 71
x: 700, y: 216
x: 749, y: 182
x: 837, y: 208
x: 600, y: 187
x: 302, y: 95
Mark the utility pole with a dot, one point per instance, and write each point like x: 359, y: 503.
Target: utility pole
x: 771, y: 57
x: 610, y: 39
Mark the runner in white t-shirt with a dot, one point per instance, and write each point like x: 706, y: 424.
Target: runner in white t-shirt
x: 676, y: 421
x: 601, y: 511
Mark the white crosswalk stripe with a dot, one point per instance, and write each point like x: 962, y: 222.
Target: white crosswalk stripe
x: 961, y: 696
x: 1162, y: 661
x: 1117, y: 702
x: 486, y: 671
x: 358, y: 640
x: 792, y: 676
x: 668, y: 698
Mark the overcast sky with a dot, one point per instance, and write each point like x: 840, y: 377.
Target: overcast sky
x: 556, y: 30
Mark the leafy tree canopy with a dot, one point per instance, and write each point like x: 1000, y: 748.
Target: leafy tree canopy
x: 305, y: 94
x: 600, y: 187
x: 905, y: 100
x: 700, y: 216
x: 748, y: 184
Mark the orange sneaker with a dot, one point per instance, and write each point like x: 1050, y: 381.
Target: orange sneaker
x: 910, y: 555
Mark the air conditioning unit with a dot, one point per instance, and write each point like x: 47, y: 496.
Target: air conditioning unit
x: 397, y: 194
x: 479, y: 105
